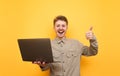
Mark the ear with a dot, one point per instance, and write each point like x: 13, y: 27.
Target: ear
x: 67, y: 26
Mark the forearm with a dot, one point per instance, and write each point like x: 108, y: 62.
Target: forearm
x: 92, y: 49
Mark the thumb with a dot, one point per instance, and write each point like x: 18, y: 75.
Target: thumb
x: 90, y: 29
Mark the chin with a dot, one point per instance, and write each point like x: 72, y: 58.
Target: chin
x: 60, y: 36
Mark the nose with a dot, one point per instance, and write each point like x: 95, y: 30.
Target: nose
x: 60, y: 27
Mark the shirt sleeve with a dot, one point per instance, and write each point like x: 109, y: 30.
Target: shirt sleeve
x: 92, y: 49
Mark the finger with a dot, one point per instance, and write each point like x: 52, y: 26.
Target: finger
x: 89, y: 35
x: 39, y: 62
x: 91, y: 28
x: 35, y: 62
x: 43, y: 63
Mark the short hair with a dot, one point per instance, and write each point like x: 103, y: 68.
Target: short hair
x: 60, y: 17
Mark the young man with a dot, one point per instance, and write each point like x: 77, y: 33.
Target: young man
x: 67, y: 52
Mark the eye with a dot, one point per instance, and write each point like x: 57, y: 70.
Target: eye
x: 63, y: 25
x: 58, y: 25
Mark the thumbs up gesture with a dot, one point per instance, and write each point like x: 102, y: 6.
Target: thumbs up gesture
x: 89, y: 34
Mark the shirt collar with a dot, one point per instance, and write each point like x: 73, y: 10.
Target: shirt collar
x: 63, y: 40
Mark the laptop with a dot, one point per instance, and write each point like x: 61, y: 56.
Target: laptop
x: 38, y: 49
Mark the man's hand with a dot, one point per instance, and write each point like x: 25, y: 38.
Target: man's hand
x: 42, y: 64
x: 89, y: 34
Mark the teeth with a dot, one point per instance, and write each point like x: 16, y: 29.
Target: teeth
x: 60, y: 32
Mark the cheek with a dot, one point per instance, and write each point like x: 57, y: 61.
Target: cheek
x: 65, y: 28
x: 55, y: 28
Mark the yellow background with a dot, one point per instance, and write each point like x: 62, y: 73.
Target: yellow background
x: 33, y: 19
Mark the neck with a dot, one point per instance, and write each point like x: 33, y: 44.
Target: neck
x: 61, y: 37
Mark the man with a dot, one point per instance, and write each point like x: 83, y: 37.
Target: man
x: 67, y: 52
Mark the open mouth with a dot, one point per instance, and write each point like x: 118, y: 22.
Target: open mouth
x: 61, y: 32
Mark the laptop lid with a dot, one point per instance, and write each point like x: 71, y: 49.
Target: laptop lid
x: 36, y: 49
